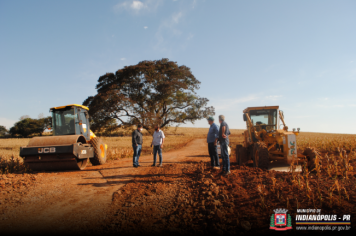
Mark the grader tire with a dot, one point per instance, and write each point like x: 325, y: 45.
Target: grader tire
x: 243, y: 155
x: 237, y: 150
x: 243, y: 158
x: 311, y: 154
x: 260, y: 155
x: 99, y: 152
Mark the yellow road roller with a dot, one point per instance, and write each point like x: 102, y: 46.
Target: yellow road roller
x: 70, y: 147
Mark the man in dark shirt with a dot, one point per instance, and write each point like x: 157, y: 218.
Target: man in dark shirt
x: 213, y: 136
x: 137, y: 144
x: 224, y: 133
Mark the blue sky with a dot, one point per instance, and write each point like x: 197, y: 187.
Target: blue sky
x: 300, y: 55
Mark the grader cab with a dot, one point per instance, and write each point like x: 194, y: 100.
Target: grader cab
x: 264, y: 141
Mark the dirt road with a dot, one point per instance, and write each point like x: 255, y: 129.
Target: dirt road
x: 61, y: 201
x: 184, y: 197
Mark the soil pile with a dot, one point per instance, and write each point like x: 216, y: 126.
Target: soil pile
x: 193, y: 199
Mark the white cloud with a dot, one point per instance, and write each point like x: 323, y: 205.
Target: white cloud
x: 138, y: 6
x: 120, y: 6
x: 274, y: 97
x: 145, y: 27
x: 123, y: 59
x: 228, y: 104
x: 190, y: 36
x: 168, y: 28
x: 130, y: 5
x: 195, y: 2
x: 7, y: 122
x: 176, y: 17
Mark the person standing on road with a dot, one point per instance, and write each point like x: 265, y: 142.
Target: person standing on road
x: 157, y: 143
x: 224, y: 133
x: 137, y: 141
x: 212, y: 139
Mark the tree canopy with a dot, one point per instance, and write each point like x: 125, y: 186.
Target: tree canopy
x: 3, y: 131
x: 151, y: 92
x: 28, y: 126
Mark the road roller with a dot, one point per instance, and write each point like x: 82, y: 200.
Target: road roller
x: 70, y: 147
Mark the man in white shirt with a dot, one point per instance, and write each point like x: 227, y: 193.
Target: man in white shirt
x: 157, y: 142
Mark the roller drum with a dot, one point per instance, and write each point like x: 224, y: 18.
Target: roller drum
x: 55, y: 153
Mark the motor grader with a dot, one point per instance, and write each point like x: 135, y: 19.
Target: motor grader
x: 70, y: 147
x: 265, y: 142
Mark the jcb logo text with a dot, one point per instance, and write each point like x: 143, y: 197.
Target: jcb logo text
x: 47, y: 150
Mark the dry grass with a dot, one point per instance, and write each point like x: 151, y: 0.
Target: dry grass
x: 121, y: 147
x: 326, y: 142
x: 330, y: 186
x: 12, y: 164
x: 10, y: 161
x: 118, y: 147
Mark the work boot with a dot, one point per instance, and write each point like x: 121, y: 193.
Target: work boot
x: 153, y: 165
x: 227, y: 173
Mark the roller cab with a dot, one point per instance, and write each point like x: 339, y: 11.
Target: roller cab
x: 71, y: 145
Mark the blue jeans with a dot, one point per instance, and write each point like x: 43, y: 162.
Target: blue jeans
x: 137, y: 152
x: 213, y: 153
x: 225, y: 154
x: 155, y: 150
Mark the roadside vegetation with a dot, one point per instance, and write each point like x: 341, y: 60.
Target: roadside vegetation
x: 121, y: 147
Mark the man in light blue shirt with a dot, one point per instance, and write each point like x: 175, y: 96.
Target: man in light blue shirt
x: 213, y: 136
x: 224, y: 133
x: 157, y: 143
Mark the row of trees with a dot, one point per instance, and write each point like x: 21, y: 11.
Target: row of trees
x: 26, y: 127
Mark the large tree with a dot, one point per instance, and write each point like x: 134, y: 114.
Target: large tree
x: 151, y: 92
